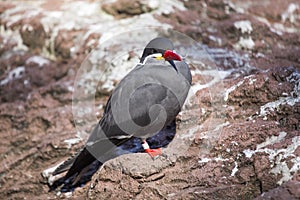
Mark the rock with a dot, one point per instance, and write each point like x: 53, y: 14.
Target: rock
x: 264, y: 86
x: 33, y: 33
x: 129, y: 8
x: 5, y: 6
x: 237, y: 136
x: 66, y: 42
x: 288, y: 190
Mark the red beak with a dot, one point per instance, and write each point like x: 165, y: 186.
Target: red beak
x: 170, y: 55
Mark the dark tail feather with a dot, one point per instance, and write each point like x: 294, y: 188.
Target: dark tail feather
x: 83, y: 160
x: 80, y: 168
x: 65, y: 166
x: 76, y: 180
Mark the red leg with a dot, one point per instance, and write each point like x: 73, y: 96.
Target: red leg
x: 151, y: 152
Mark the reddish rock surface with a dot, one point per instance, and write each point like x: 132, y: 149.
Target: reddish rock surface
x: 127, y: 8
x: 237, y: 138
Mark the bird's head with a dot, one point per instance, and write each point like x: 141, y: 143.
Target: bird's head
x: 161, y: 49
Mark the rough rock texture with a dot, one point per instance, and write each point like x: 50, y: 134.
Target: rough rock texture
x: 127, y: 8
x: 288, y: 190
x: 237, y: 138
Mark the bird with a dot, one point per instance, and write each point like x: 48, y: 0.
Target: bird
x: 144, y: 102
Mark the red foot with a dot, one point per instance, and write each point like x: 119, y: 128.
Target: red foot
x: 153, y: 152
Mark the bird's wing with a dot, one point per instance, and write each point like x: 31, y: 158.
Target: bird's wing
x: 183, y: 68
x: 135, y: 96
x: 149, y: 95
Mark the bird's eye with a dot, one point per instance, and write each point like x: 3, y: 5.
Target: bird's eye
x: 154, y: 51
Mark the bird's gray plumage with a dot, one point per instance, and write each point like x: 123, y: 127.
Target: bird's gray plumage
x: 151, y: 96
